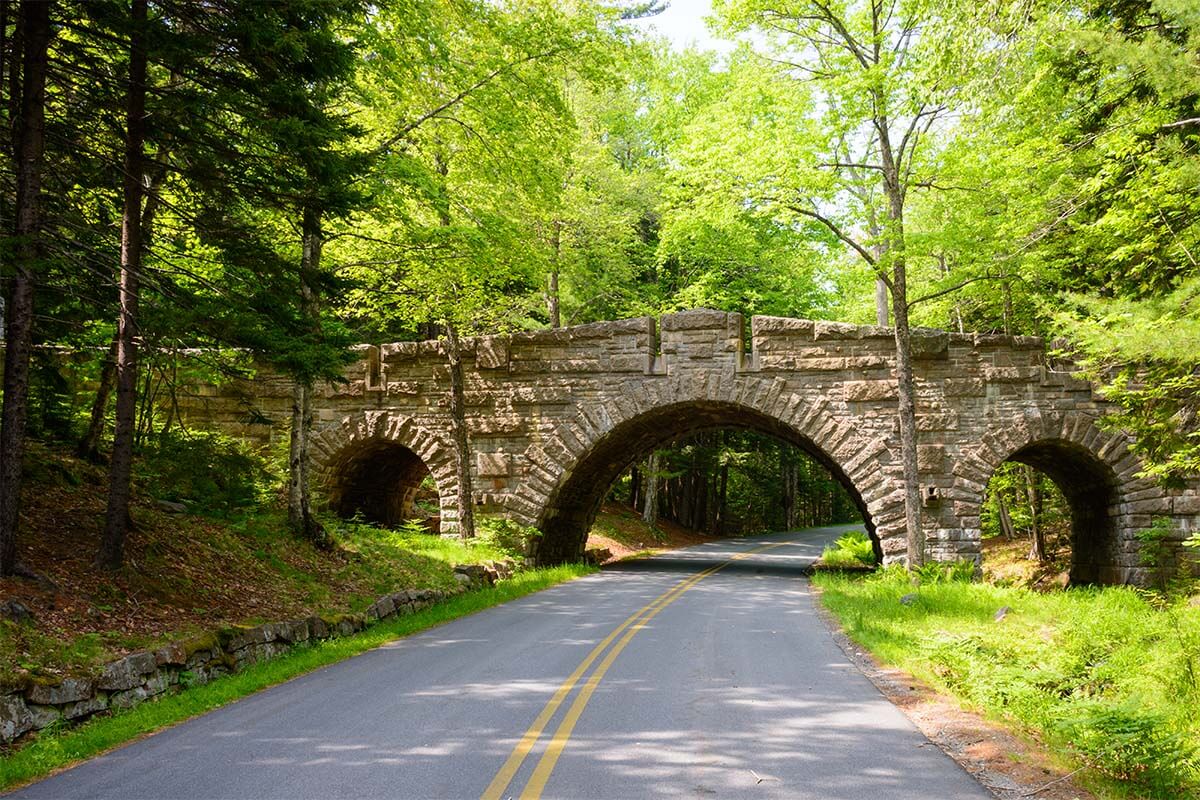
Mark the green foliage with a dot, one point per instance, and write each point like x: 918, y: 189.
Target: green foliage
x: 851, y: 549
x: 510, y: 537
x: 211, y: 472
x: 935, y: 572
x: 1108, y: 674
x: 1142, y: 748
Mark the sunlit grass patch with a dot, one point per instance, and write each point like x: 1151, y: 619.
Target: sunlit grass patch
x: 1107, y: 676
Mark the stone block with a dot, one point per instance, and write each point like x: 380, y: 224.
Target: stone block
x: 869, y: 391
x: 489, y: 465
x: 928, y: 343
x: 963, y: 387
x: 630, y: 362
x: 15, y: 718
x: 42, y: 717
x: 69, y: 690
x: 127, y: 672
x: 697, y: 319
x: 943, y: 421
x: 85, y: 708
x: 491, y: 352
x: 841, y: 364
x: 1186, y: 504
x: 760, y: 326
x: 930, y: 457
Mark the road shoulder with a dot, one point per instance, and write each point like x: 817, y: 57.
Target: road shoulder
x: 1008, y: 765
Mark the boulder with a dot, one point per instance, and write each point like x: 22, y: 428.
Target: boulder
x: 17, y: 612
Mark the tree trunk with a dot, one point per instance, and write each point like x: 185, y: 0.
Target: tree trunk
x: 552, y: 293
x: 458, y: 426
x: 650, y: 495
x: 881, y: 302
x: 1037, y: 546
x: 34, y: 32
x: 89, y: 444
x: 116, y: 518
x: 635, y: 485
x: 905, y: 385
x: 300, y: 517
x: 722, y: 498
x: 1006, y: 525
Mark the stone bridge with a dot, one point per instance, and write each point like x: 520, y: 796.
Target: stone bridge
x: 555, y: 416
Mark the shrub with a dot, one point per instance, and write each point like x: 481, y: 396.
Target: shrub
x: 852, y: 549
x: 214, y: 472
x: 1128, y: 743
x: 506, y: 535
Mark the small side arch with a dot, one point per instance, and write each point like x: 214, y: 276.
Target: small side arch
x: 372, y: 462
x: 1094, y: 469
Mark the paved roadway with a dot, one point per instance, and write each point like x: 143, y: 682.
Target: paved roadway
x: 726, y: 685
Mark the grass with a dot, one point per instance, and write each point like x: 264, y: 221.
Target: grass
x: 54, y: 749
x: 851, y: 550
x: 1106, y: 676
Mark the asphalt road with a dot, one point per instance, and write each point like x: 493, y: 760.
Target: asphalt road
x: 727, y: 684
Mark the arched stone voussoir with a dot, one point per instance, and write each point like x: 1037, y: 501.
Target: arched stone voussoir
x: 342, y: 440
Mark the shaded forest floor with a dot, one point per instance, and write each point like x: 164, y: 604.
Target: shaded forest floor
x: 621, y: 531
x: 1006, y: 562
x: 185, y: 573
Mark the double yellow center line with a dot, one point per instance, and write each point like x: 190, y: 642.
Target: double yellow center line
x: 554, y: 749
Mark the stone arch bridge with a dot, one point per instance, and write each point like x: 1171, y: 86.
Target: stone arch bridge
x: 555, y: 416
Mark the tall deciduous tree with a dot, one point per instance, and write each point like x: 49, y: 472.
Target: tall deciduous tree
x: 876, y: 72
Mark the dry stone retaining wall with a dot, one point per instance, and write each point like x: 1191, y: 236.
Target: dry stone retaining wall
x: 142, y: 676
x: 555, y: 415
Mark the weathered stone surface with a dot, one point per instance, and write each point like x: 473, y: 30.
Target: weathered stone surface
x: 85, y: 708
x: 492, y: 352
x: 68, y: 691
x: 489, y: 465
x: 553, y: 414
x: 927, y: 343
x: 127, y: 672
x: 930, y: 457
x: 40, y: 716
x: 15, y: 718
x: 869, y: 391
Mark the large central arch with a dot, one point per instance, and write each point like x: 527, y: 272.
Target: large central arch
x: 578, y: 462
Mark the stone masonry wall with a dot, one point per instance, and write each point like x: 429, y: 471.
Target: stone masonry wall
x: 555, y: 415
x: 37, y: 703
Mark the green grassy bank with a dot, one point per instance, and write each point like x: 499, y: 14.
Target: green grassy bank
x: 54, y: 749
x: 1106, y: 676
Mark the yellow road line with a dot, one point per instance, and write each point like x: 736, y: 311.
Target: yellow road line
x: 495, y: 789
x: 545, y: 766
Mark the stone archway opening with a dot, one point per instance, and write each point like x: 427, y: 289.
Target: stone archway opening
x: 573, y: 506
x: 1061, y: 493
x: 382, y: 482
